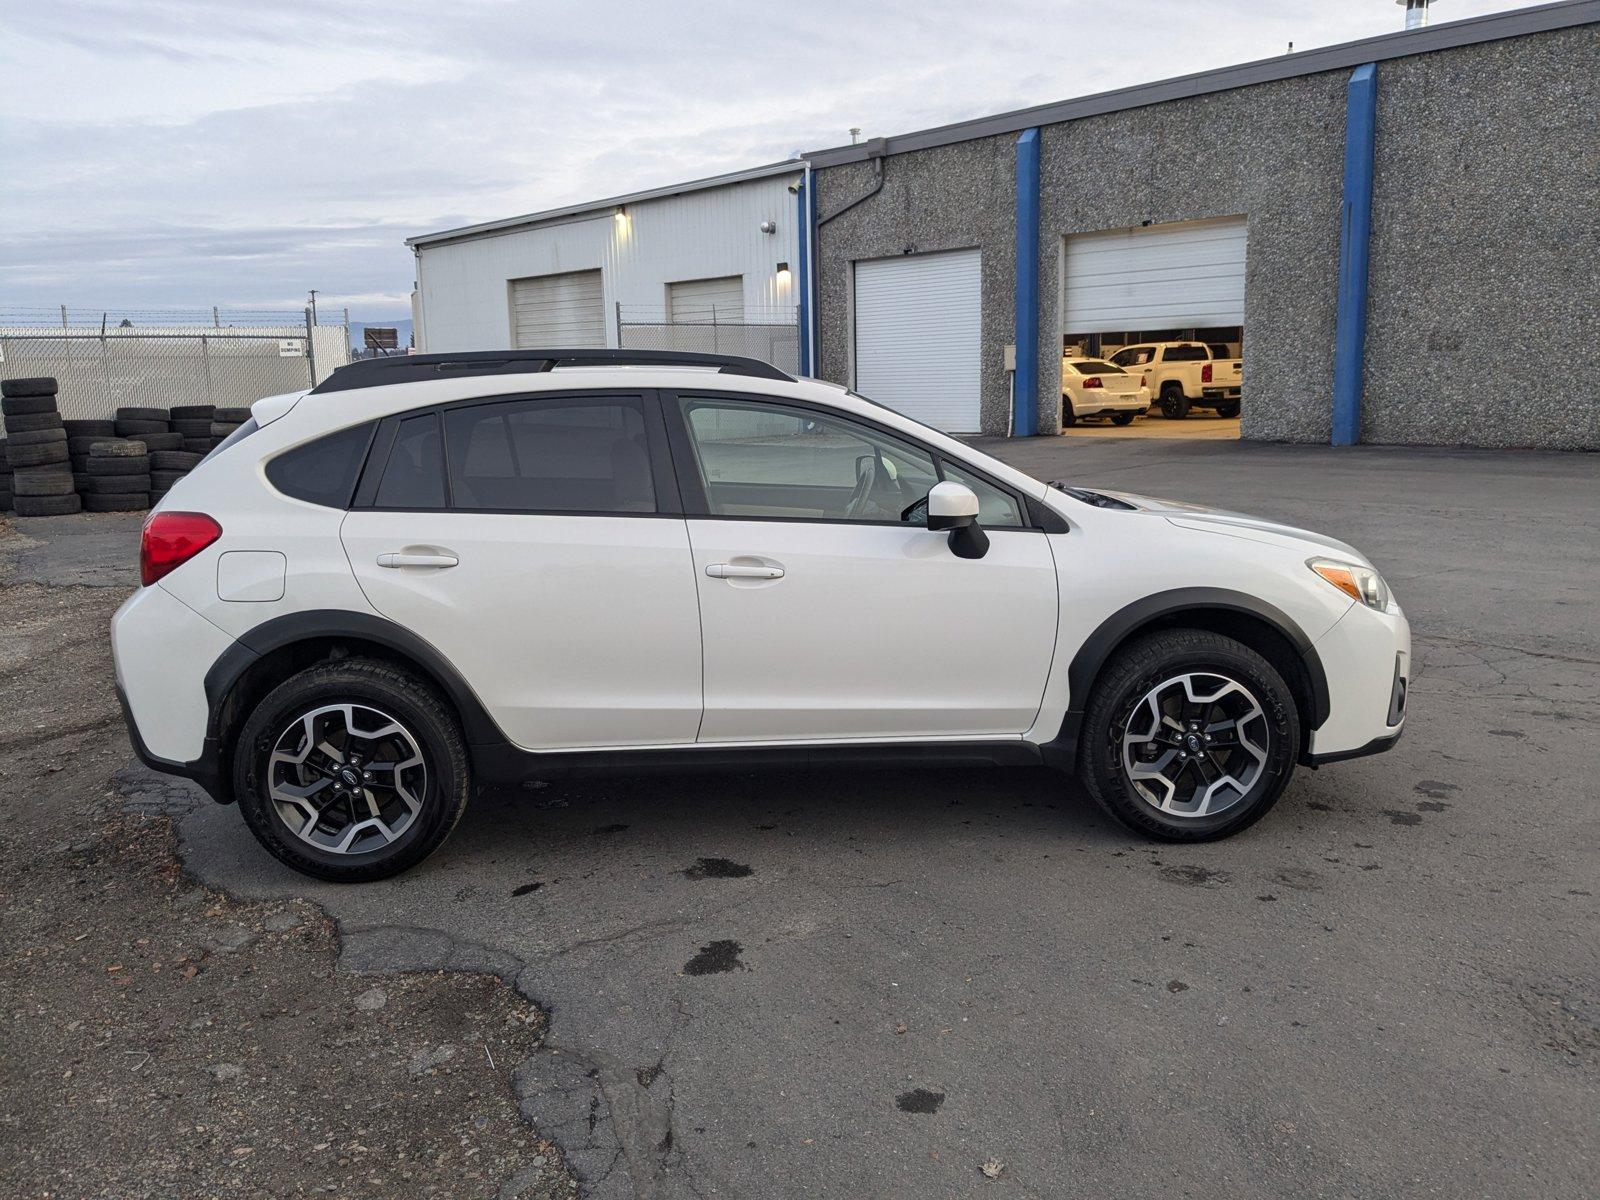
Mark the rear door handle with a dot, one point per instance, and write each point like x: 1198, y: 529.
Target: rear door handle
x: 405, y: 559
x: 742, y: 571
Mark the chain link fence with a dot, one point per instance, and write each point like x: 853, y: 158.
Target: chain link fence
x: 102, y: 367
x: 772, y: 337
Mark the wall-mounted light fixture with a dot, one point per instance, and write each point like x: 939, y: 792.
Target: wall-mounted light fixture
x: 769, y: 227
x: 622, y: 214
x: 783, y: 272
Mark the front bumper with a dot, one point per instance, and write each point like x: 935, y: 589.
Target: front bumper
x: 1367, y: 658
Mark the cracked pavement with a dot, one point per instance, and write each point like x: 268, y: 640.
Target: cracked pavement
x: 938, y: 983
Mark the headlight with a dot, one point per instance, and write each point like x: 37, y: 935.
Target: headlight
x: 1359, y: 583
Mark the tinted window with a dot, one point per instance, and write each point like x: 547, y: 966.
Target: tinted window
x: 1096, y: 368
x: 1136, y: 356
x: 323, y: 471
x: 769, y: 460
x: 996, y: 509
x: 414, y: 476
x: 561, y: 455
x: 1191, y: 353
x: 1218, y: 350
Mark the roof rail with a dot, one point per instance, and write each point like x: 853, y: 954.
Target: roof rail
x: 411, y: 368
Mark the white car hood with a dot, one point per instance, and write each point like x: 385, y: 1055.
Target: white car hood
x: 1218, y: 520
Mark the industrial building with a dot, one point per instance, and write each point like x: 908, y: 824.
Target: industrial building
x: 1397, y: 235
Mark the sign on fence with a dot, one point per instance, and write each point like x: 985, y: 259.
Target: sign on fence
x: 291, y: 348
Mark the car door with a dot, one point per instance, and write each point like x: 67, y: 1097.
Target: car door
x: 828, y: 610
x: 539, y: 544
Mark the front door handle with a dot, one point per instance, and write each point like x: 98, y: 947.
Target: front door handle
x: 408, y: 559
x: 742, y: 571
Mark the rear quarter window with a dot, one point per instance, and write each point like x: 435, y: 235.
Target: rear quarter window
x: 323, y: 471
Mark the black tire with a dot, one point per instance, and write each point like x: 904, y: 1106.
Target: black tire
x: 36, y: 456
x: 395, y: 692
x: 105, y: 467
x: 160, y: 481
x: 115, y: 501
x: 117, y: 485
x: 1174, y: 404
x: 133, y: 429
x: 173, y: 460
x: 47, y: 506
x: 136, y: 413
x: 90, y: 429
x: 198, y: 445
x: 33, y: 422
x: 191, y: 412
x: 1068, y: 417
x: 192, y: 428
x: 42, y: 482
x: 35, y: 437
x: 1130, y: 676
x: 230, y: 416
x: 39, y: 385
x: 80, y: 481
x: 27, y: 406
x: 1228, y: 408
x: 220, y: 429
x: 162, y: 441
x: 119, y: 448
x: 1123, y: 418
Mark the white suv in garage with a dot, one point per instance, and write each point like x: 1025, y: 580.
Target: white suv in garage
x: 442, y: 570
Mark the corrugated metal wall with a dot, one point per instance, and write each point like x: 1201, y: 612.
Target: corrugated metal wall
x: 465, y: 290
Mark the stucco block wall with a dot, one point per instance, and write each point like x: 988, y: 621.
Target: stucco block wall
x: 948, y: 198
x: 1273, y: 153
x: 1483, y: 319
x: 1483, y: 322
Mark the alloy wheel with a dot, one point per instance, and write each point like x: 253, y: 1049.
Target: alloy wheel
x: 347, y: 778
x: 1195, y: 744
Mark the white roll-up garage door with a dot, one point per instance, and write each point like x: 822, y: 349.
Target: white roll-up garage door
x: 562, y: 312
x: 918, y: 336
x: 1181, y: 275
x: 706, y: 301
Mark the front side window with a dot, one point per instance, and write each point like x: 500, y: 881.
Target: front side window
x: 996, y: 509
x: 566, y: 454
x: 1134, y: 356
x: 769, y: 460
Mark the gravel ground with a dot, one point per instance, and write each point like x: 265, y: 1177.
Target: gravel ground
x: 163, y: 1040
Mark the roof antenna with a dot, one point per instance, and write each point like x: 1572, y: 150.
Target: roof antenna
x: 855, y: 134
x: 1416, y: 12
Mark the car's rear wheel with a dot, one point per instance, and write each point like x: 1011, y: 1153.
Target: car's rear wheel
x: 1228, y: 408
x: 1174, y: 404
x: 351, y: 771
x: 1189, y: 736
x: 1069, y: 418
x: 1123, y: 418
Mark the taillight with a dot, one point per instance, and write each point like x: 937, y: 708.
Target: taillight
x: 170, y: 539
x: 1093, y: 381
x: 1205, y: 373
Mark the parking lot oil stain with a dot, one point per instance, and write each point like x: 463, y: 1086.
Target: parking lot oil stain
x: 1508, y: 733
x: 715, y: 958
x: 1301, y: 879
x: 527, y: 888
x: 1436, y: 789
x: 919, y: 1100
x: 1397, y: 817
x: 1177, y: 985
x: 717, y: 868
x: 604, y: 829
x: 1431, y: 806
x: 1194, y: 876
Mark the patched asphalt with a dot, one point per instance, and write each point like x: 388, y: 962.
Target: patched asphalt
x: 879, y: 983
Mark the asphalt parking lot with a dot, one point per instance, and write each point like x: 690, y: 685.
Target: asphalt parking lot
x: 898, y: 984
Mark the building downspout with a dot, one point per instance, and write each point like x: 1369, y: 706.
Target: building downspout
x: 1355, y: 239
x: 876, y: 149
x: 803, y: 219
x: 1025, y: 382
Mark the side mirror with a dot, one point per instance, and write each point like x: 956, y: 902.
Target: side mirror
x: 954, y: 506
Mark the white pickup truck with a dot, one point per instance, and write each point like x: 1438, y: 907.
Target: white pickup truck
x: 1185, y: 375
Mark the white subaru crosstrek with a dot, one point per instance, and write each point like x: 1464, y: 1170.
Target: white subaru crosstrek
x: 439, y: 571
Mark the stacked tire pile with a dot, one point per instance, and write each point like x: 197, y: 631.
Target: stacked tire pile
x: 40, y: 470
x: 225, y: 420
x: 116, y: 476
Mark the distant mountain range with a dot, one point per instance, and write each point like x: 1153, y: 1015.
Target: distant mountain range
x: 401, y: 327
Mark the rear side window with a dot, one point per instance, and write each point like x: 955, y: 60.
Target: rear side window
x: 1097, y: 368
x: 1193, y: 353
x: 414, y: 474
x: 323, y: 471
x: 566, y: 454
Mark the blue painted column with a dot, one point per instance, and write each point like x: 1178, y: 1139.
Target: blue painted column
x: 1355, y: 237
x: 803, y: 269
x: 1025, y: 383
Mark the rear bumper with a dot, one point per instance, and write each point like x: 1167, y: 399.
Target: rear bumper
x: 1111, y: 402
x: 1221, y: 393
x: 205, y: 770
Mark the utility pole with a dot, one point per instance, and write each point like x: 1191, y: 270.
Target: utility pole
x: 313, y: 306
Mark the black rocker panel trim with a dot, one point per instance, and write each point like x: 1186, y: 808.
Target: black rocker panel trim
x: 1100, y: 644
x: 1376, y: 746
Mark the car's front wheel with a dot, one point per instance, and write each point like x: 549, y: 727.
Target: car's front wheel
x: 1189, y: 736
x: 351, y: 771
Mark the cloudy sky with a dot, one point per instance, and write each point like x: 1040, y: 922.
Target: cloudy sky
x: 184, y: 153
